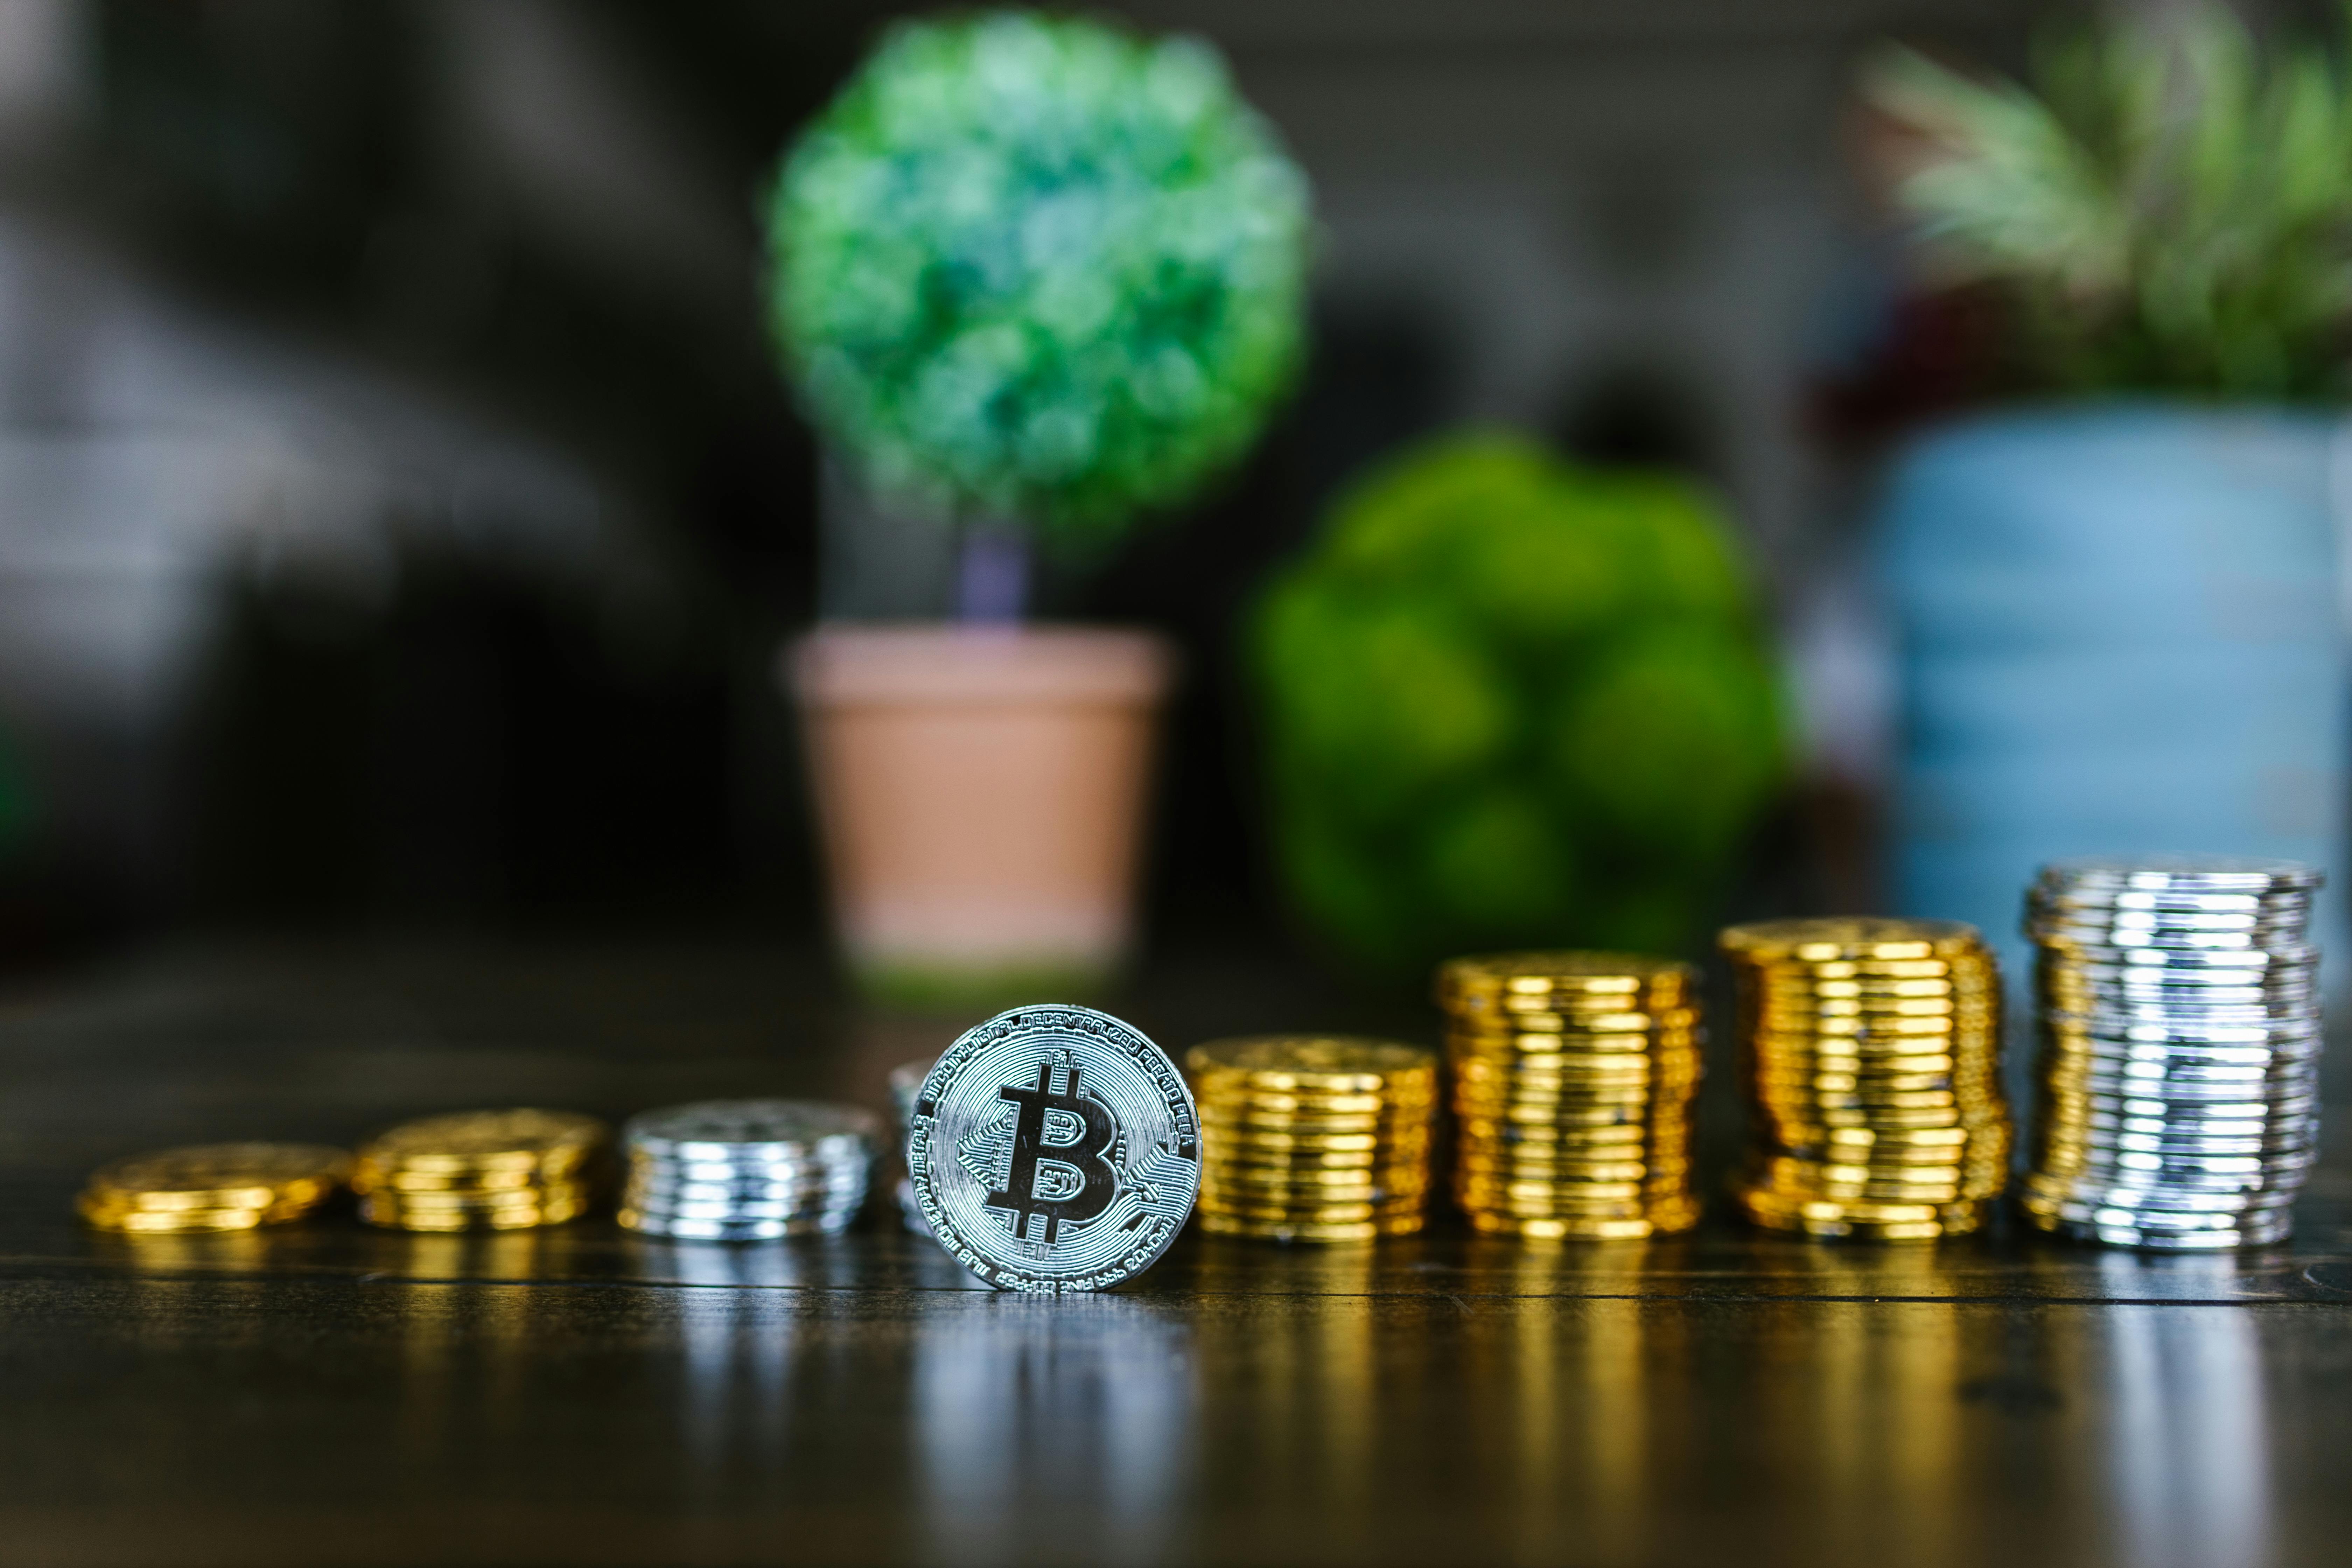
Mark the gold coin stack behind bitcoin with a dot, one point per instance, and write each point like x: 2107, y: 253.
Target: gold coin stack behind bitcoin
x: 498, y: 1170
x: 1573, y: 1074
x: 1311, y: 1138
x: 213, y: 1186
x: 1870, y: 1054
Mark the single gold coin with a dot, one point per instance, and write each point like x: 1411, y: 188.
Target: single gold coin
x: 1598, y: 1031
x: 1239, y: 1141
x: 1274, y: 1140
x: 1802, y: 1111
x: 495, y: 1198
x: 1561, y: 1136
x: 1555, y: 1083
x: 1845, y: 1088
x: 1666, y: 1220
x: 1309, y: 1213
x: 158, y: 1222
x: 1480, y: 1098
x: 1798, y: 1020
x: 1538, y: 1050
x: 490, y: 1181
x: 1618, y: 1110
x: 1472, y: 1185
x: 395, y: 1211
x: 1833, y: 1075
x: 1278, y: 1230
x: 1599, y: 1027
x: 1288, y: 1108
x: 1536, y: 1122
x: 1542, y: 972
x: 1852, y: 989
x: 1664, y: 1176
x: 1349, y: 1184
x: 1315, y: 1208
x: 212, y: 1176
x: 1801, y: 1029
x: 1403, y: 1118
x: 1535, y: 1049
x: 1617, y: 1210
x: 1862, y: 1221
x: 1810, y: 1133
x: 1851, y: 936
x: 1323, y: 1063
x: 1257, y: 1168
x: 1662, y: 1155
x: 1470, y: 1101
x: 1371, y: 1159
x: 1562, y: 1179
x: 1537, y: 1159
x: 1788, y: 1178
x: 1938, y: 1109
x: 1414, y: 1155
x: 1552, y: 1052
x: 1963, y: 1058
x: 1477, y: 1192
x: 1907, y: 1163
x: 1623, y: 1136
x: 469, y: 1142
x: 1827, y: 962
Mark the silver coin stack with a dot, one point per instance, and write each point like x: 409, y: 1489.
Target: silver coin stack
x: 905, y: 1083
x: 747, y: 1170
x: 2179, y: 1019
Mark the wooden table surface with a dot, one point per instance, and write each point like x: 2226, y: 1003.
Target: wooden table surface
x: 326, y: 1394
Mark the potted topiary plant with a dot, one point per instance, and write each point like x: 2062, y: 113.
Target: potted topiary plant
x: 1509, y: 702
x: 1035, y: 277
x: 2117, y: 599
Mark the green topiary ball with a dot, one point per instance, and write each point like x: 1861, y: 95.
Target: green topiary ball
x: 1040, y: 268
x: 1509, y: 702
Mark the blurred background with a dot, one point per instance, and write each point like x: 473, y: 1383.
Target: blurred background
x: 401, y: 507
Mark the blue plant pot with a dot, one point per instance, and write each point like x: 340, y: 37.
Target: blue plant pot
x: 2119, y: 632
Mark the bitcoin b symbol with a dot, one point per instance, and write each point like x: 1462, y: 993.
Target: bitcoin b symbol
x: 1070, y: 1135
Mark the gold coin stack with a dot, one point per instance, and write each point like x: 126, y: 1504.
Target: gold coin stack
x: 498, y: 1170
x: 213, y: 1186
x: 1573, y: 1076
x: 1870, y: 1053
x: 1313, y: 1138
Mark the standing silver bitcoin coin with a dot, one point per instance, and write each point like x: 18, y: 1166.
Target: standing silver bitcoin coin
x: 1055, y: 1148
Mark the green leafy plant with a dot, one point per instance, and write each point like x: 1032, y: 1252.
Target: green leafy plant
x: 1040, y: 269
x: 2167, y: 201
x: 1508, y: 702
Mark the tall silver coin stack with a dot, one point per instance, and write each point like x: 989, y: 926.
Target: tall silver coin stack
x: 2179, y: 1017
x: 747, y: 1170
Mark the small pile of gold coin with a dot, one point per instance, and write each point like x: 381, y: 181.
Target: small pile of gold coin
x: 1870, y: 1052
x: 213, y: 1186
x: 1573, y: 1076
x: 1313, y: 1138
x: 498, y: 1170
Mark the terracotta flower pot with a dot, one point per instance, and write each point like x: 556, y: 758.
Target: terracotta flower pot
x: 981, y: 791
